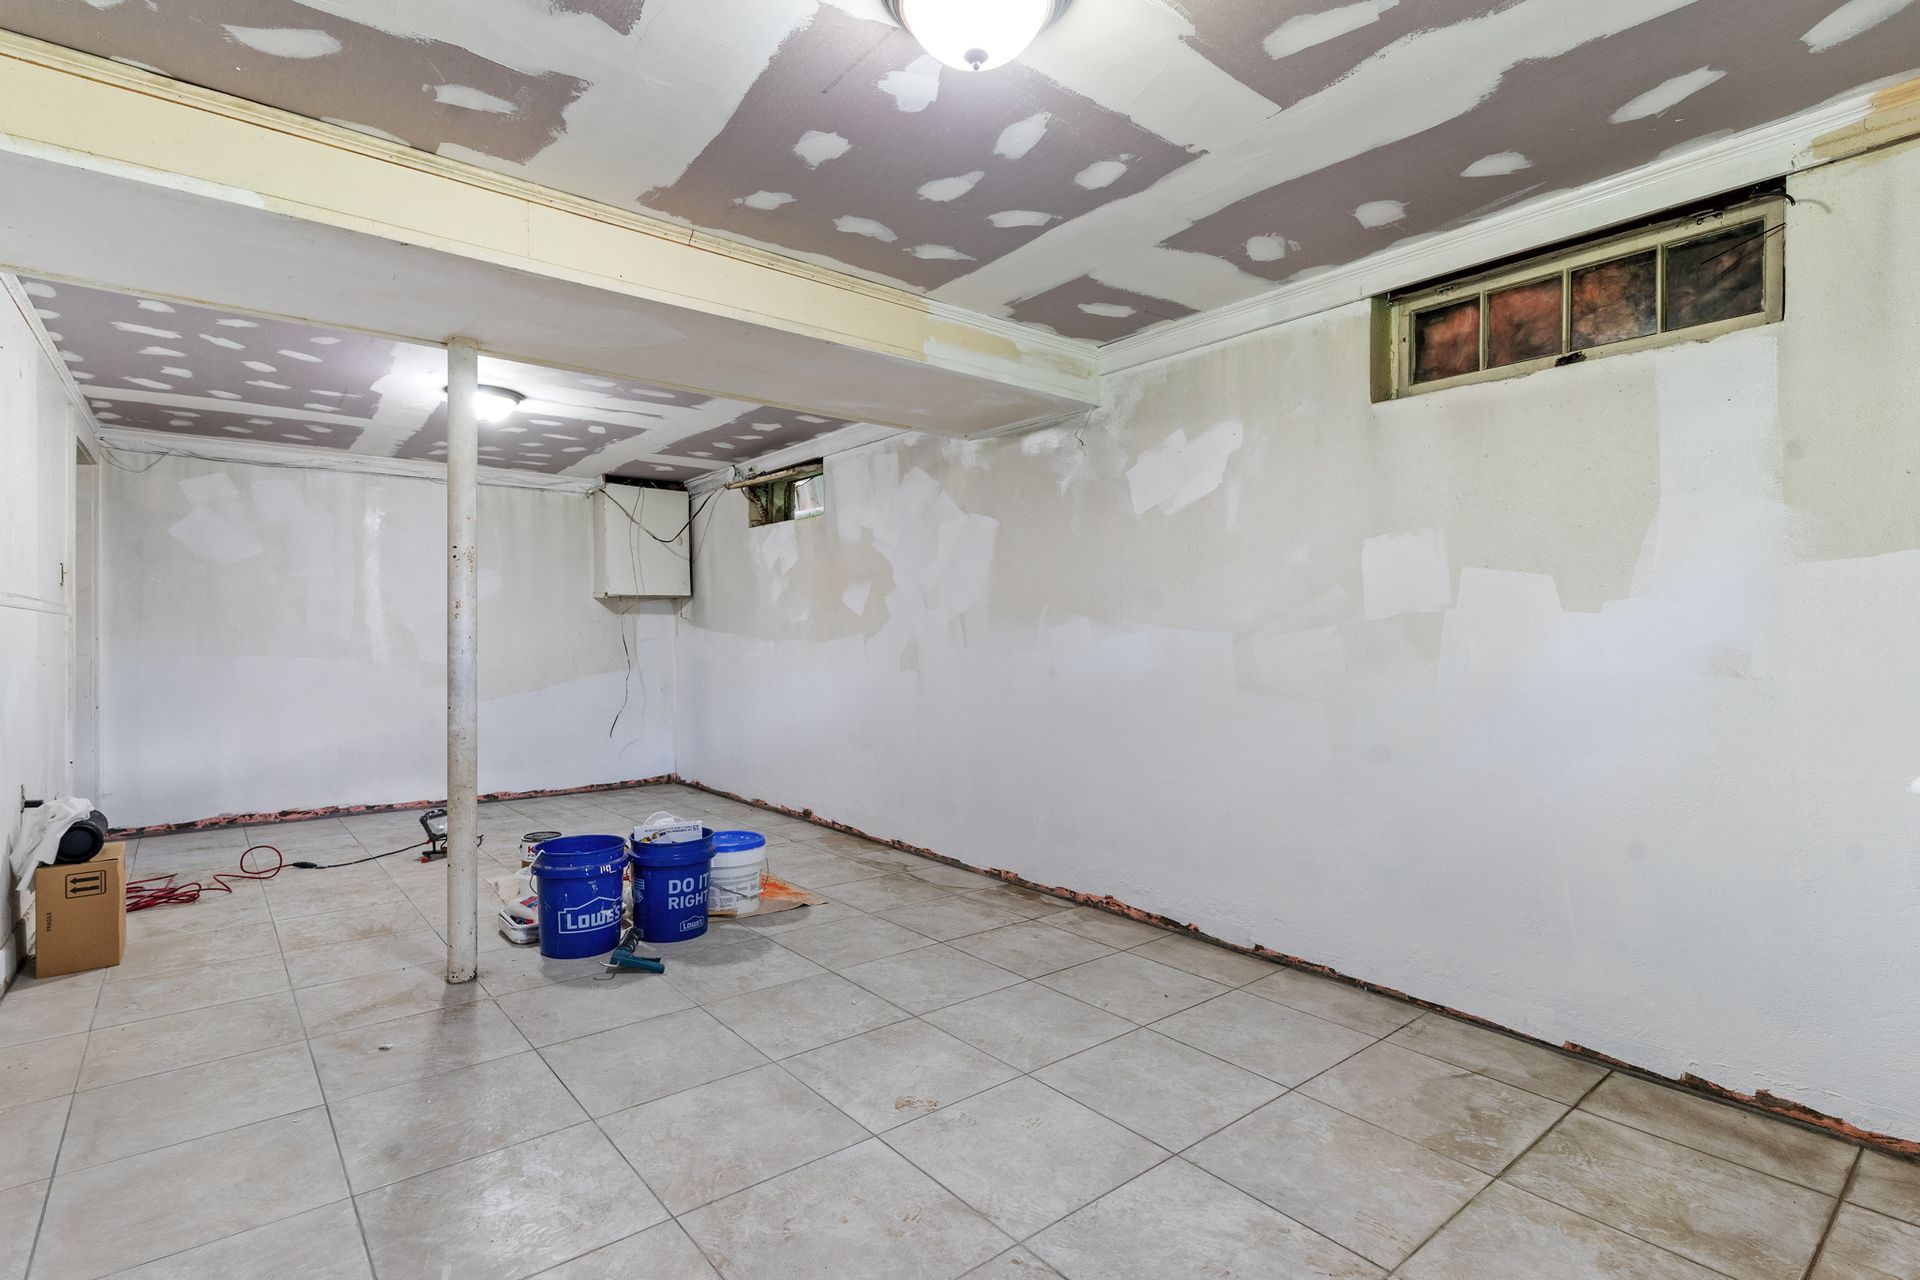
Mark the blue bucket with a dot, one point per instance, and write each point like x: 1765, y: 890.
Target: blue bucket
x: 579, y: 883
x: 670, y: 888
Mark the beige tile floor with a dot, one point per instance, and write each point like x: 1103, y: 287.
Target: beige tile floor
x: 933, y: 1076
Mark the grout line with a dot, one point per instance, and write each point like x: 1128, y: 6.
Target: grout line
x: 1495, y: 1178
x: 346, y: 1176
x: 1839, y: 1203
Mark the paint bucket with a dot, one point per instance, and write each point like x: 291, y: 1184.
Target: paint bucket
x: 670, y: 887
x: 579, y: 880
x: 531, y: 841
x: 739, y: 863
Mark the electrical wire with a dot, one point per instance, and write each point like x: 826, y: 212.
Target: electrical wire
x: 160, y: 891
x: 354, y: 862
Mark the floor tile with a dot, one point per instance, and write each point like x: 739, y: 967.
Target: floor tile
x: 1176, y: 1222
x: 1734, y: 1220
x: 784, y: 922
x: 1269, y: 1039
x: 1032, y: 950
x: 174, y: 952
x: 1030, y: 903
x: 816, y: 869
x: 509, y: 1213
x: 327, y: 928
x: 150, y: 1112
x: 1378, y: 1194
x: 944, y: 919
x: 1500, y: 1057
x: 320, y: 1244
x: 507, y: 969
x: 1160, y: 1088
x: 1139, y: 990
x: 930, y: 978
x: 1506, y: 1231
x: 725, y: 972
x: 1888, y: 1185
x: 33, y: 1131
x: 380, y: 997
x: 865, y: 1212
x: 1028, y: 1026
x: 1024, y: 1155
x: 358, y: 957
x: 629, y: 1065
x: 887, y: 1077
x: 658, y: 1253
x: 1335, y: 1001
x: 1867, y: 1246
x: 177, y: 1040
x: 584, y: 1006
x: 43, y: 1069
x: 247, y: 904
x: 19, y: 1220
x: 1783, y: 1150
x: 43, y: 1012
x: 707, y: 1142
x: 1105, y: 927
x: 1014, y: 1264
x: 888, y: 892
x: 950, y: 877
x: 1442, y: 1107
x: 124, y: 1002
x: 1229, y: 968
x: 797, y: 1016
x: 841, y: 946
x: 363, y: 1059
x: 216, y: 1186
x: 294, y: 895
x: 419, y: 1126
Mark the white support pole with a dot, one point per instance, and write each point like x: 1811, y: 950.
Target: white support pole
x: 463, y: 661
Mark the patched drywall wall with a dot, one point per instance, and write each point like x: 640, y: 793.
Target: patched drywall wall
x: 36, y: 602
x: 1585, y: 702
x: 275, y: 638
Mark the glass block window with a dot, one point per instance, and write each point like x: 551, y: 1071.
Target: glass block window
x: 1680, y: 280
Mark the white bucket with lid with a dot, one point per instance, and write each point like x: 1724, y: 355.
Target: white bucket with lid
x: 739, y: 869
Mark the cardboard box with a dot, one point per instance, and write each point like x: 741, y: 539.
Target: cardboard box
x: 80, y: 914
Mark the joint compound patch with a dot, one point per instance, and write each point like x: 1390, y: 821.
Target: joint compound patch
x: 1178, y: 472
x: 1405, y: 573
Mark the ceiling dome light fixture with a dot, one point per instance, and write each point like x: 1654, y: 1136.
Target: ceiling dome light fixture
x: 976, y: 35
x: 493, y: 404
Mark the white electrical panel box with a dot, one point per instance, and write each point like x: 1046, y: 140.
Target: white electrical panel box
x: 642, y: 544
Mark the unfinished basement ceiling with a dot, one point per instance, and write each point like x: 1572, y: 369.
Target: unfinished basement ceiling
x: 171, y: 369
x: 1147, y: 158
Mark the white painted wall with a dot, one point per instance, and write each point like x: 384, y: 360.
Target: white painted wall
x: 1586, y: 702
x: 36, y: 496
x: 275, y: 638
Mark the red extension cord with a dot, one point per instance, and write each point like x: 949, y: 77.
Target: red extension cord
x: 160, y: 891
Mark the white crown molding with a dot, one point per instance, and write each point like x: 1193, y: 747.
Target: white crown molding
x: 851, y: 436
x: 255, y: 453
x: 1737, y: 160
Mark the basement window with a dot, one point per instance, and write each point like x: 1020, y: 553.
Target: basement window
x: 795, y: 493
x: 1679, y: 280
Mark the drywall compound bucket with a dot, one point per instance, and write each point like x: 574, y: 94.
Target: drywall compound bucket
x: 579, y: 882
x: 670, y: 887
x: 739, y: 863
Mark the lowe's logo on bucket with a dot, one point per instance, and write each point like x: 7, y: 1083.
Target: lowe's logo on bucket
x: 588, y: 916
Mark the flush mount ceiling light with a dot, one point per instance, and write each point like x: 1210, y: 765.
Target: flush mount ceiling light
x: 493, y: 404
x: 975, y: 35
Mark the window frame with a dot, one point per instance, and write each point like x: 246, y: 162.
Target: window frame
x: 1400, y: 310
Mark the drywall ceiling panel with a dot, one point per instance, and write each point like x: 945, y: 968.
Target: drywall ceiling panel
x: 1191, y: 153
x: 147, y: 364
